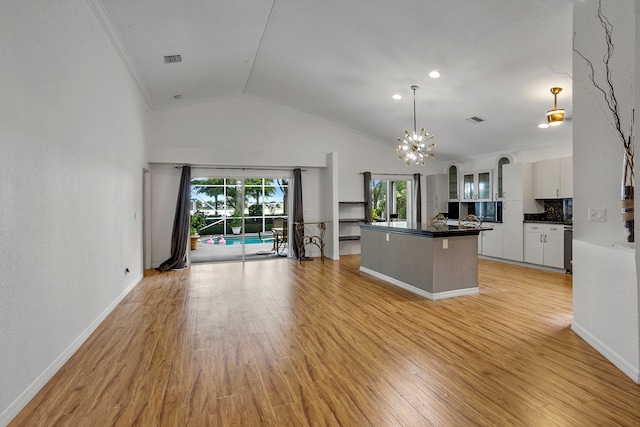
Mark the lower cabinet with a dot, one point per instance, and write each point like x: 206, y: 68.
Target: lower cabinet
x: 512, y: 235
x: 490, y: 242
x: 544, y: 244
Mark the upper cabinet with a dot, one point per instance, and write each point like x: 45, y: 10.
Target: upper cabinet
x: 554, y: 179
x: 518, y: 184
x: 499, y: 177
x: 566, y: 177
x: 476, y: 186
x: 453, y: 184
x: 437, y: 194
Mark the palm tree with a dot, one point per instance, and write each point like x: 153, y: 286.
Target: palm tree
x: 212, y: 187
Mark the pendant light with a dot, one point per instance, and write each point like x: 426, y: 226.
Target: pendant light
x: 414, y: 148
x: 555, y: 117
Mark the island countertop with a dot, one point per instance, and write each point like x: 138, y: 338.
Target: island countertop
x: 423, y: 229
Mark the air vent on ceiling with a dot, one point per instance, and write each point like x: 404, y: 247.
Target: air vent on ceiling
x: 170, y: 59
x: 475, y: 119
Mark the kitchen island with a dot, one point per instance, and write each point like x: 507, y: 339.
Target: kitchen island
x: 435, y: 261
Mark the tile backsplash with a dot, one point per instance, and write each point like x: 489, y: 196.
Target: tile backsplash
x: 555, y: 210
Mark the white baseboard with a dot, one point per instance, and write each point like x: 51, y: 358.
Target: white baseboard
x: 29, y: 393
x: 421, y: 292
x: 627, y: 368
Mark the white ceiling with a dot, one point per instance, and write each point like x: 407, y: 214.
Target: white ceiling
x: 341, y: 60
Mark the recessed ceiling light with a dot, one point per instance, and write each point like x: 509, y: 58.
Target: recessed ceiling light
x: 396, y: 96
x: 177, y: 96
x: 543, y: 125
x: 434, y: 74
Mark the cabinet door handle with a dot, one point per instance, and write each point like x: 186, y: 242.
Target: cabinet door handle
x: 545, y: 238
x: 557, y: 192
x: 504, y: 194
x: 541, y: 238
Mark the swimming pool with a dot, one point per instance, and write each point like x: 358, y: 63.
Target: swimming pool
x: 237, y: 240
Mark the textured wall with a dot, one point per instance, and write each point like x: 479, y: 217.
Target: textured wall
x: 605, y: 284
x: 72, y: 142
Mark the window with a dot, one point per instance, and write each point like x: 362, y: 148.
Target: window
x: 390, y: 200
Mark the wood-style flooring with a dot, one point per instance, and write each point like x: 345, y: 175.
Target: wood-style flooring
x: 274, y: 343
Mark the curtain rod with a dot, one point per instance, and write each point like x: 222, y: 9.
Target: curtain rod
x: 238, y: 168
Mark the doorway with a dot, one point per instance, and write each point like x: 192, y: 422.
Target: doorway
x: 239, y: 214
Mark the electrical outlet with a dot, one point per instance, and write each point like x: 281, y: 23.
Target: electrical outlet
x: 445, y: 243
x: 386, y: 237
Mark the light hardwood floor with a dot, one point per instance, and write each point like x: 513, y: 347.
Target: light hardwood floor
x: 274, y: 343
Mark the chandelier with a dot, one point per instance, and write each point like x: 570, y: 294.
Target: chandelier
x: 414, y: 148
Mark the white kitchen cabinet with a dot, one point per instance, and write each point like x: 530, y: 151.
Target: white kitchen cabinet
x: 453, y: 189
x: 554, y: 179
x: 476, y: 187
x: 519, y: 183
x: 490, y: 242
x: 498, y: 177
x: 566, y: 178
x: 437, y: 200
x: 512, y: 237
x: 544, y: 244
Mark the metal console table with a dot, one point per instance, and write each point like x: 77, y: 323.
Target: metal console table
x: 317, y: 239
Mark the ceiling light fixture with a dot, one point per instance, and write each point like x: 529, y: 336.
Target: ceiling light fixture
x: 414, y: 147
x: 555, y: 117
x: 397, y: 96
x: 434, y: 74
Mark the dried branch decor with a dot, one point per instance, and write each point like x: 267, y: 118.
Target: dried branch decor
x: 609, y: 94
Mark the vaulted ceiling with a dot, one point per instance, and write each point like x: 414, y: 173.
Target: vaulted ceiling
x: 342, y: 60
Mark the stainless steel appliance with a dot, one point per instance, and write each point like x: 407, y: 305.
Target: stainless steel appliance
x: 568, y: 248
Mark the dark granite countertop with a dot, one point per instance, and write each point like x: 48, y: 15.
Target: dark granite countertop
x: 426, y: 230
x: 538, y: 221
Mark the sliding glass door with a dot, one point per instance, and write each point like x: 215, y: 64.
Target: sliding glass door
x: 240, y: 215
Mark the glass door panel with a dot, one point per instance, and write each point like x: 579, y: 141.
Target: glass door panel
x: 468, y: 187
x: 484, y: 185
x: 389, y: 200
x: 453, y: 183
x: 239, y: 217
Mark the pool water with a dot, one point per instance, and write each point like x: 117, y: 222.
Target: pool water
x: 237, y: 240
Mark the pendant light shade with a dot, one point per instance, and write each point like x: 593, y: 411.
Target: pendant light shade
x: 555, y: 117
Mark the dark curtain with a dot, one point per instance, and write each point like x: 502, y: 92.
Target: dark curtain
x: 298, y: 215
x: 417, y: 196
x: 181, y: 225
x: 367, y: 197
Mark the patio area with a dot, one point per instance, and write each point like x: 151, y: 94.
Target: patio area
x: 209, y: 249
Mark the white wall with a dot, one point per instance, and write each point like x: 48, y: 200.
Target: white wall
x: 249, y: 131
x: 72, y: 130
x: 605, y: 289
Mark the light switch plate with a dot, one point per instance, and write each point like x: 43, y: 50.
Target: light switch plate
x: 597, y: 214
